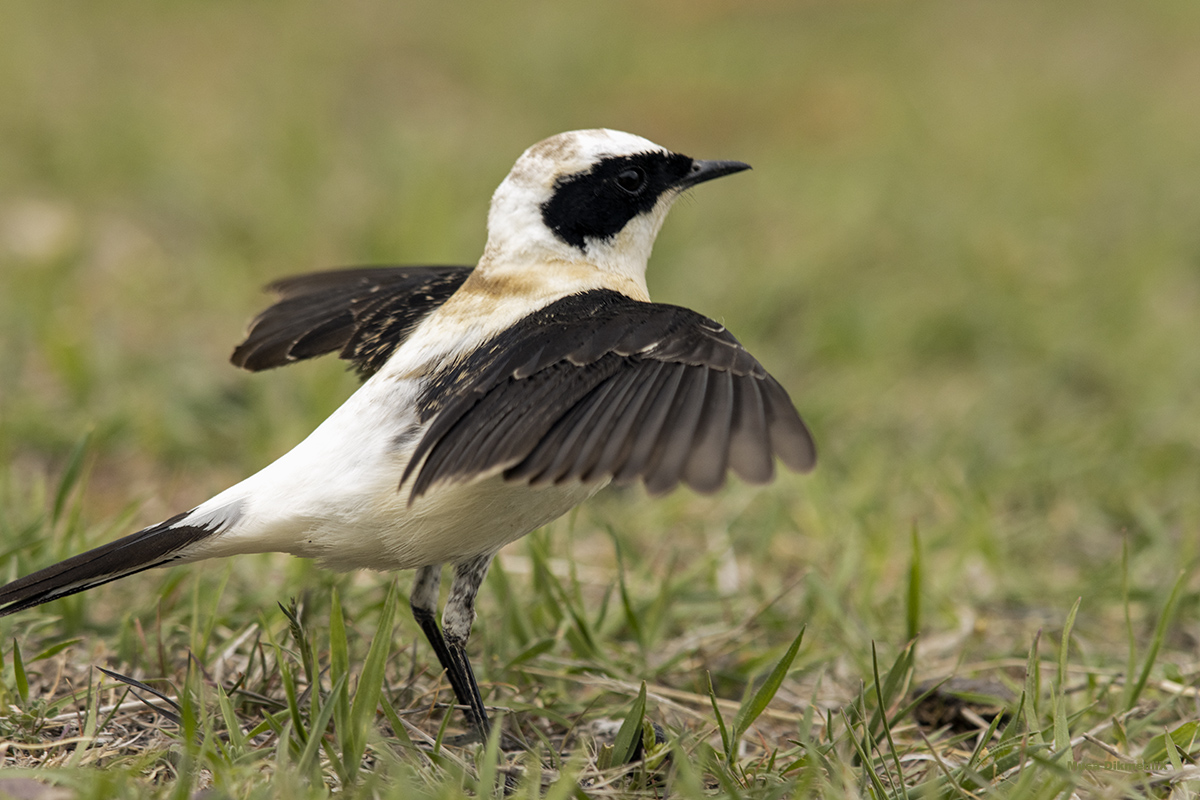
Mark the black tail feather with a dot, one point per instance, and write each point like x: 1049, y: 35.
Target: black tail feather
x: 148, y: 548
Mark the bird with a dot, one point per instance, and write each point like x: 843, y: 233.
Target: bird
x: 495, y: 398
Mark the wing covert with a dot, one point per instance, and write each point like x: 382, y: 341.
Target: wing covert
x: 598, y: 385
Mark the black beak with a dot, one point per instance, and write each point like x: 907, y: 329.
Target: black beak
x: 702, y: 171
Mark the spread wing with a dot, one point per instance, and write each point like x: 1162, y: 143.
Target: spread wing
x: 598, y: 385
x: 363, y: 312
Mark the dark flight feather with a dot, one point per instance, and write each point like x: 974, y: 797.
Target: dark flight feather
x: 365, y: 313
x: 151, y: 547
x: 665, y: 467
x: 708, y: 456
x: 599, y: 385
x: 648, y: 425
x: 748, y: 426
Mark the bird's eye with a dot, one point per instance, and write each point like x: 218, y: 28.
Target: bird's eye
x: 632, y: 180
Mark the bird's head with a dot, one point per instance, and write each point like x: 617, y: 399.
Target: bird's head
x: 595, y: 198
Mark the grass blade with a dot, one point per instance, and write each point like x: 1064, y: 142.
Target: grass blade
x: 293, y: 701
x: 912, y: 615
x: 19, y: 674
x: 70, y: 477
x: 54, y: 650
x: 1183, y: 737
x: 712, y: 695
x: 370, y: 687
x: 233, y: 728
x: 863, y: 758
x: 490, y: 762
x: 316, y: 732
x: 630, y: 734
x: 887, y: 729
x: 398, y: 729
x: 1066, y: 643
x: 984, y: 741
x: 893, y: 685
x: 300, y: 636
x: 1172, y: 751
x: 1160, y: 632
x: 1062, y: 733
x: 1131, y: 663
x: 759, y: 701
x: 1033, y: 687
x: 631, y: 616
x: 136, y: 684
x: 339, y: 661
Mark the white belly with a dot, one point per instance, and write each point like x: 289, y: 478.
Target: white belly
x: 451, y: 524
x: 336, y: 498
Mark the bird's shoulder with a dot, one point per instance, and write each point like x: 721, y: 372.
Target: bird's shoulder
x: 579, y: 330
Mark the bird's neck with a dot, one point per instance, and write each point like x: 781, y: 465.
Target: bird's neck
x: 537, y: 282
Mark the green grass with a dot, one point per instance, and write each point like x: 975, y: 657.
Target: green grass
x: 968, y: 248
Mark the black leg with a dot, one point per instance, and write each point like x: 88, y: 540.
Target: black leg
x: 423, y: 600
x: 458, y: 618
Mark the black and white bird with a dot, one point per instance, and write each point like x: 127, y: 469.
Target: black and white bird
x: 495, y: 398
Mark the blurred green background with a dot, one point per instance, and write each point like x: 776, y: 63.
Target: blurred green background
x: 970, y: 248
